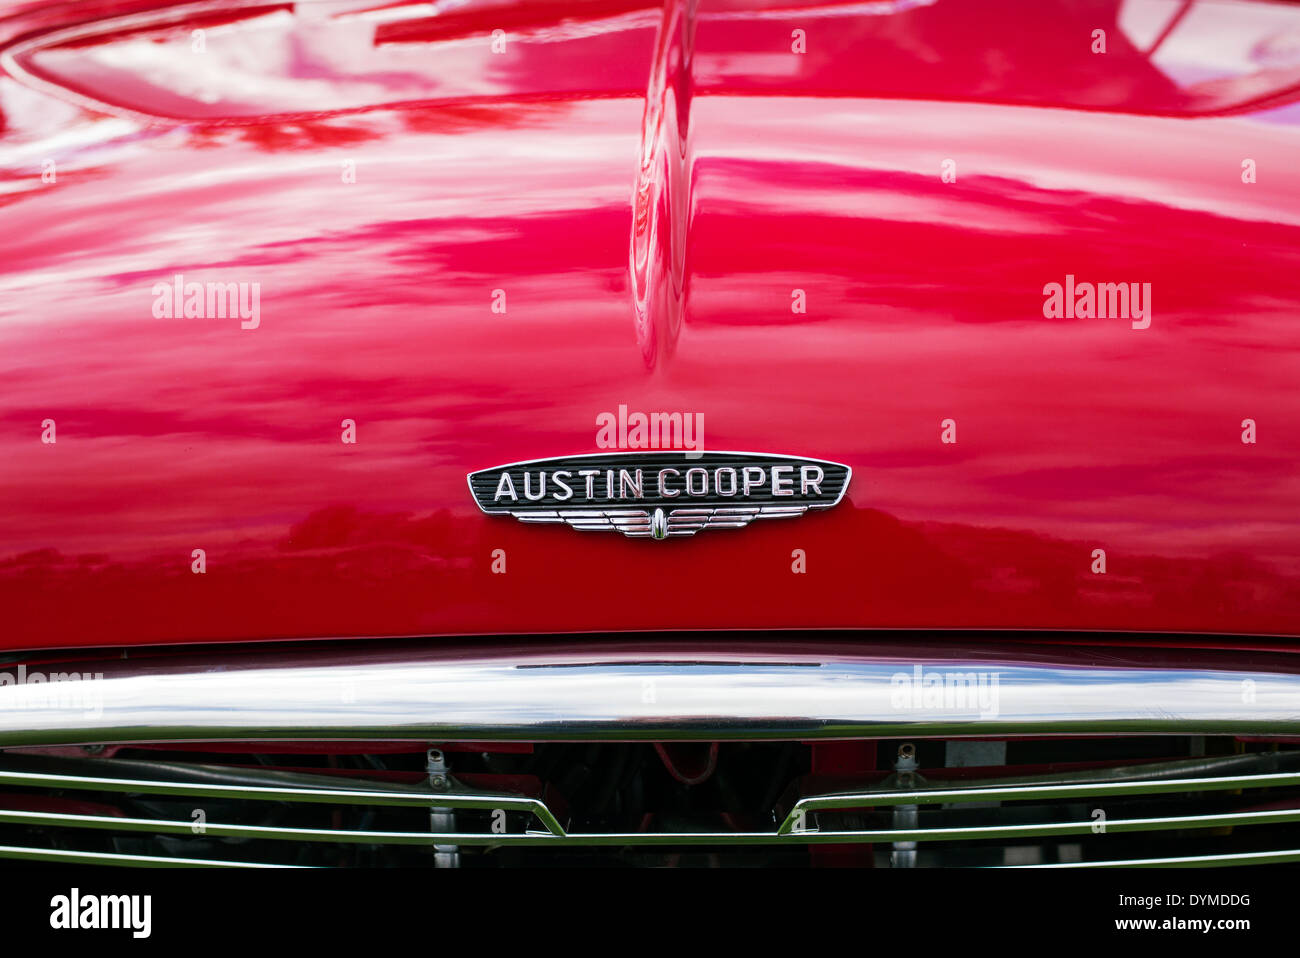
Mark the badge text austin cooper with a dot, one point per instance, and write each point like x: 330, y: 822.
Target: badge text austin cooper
x: 662, y: 493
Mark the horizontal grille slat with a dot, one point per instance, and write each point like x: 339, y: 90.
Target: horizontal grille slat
x: 818, y: 836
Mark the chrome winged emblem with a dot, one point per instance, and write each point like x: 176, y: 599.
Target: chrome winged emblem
x: 660, y: 494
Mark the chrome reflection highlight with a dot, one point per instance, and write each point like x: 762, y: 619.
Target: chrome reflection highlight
x: 478, y: 694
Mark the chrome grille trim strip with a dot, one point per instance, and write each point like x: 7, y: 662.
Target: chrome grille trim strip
x: 1186, y: 861
x: 1014, y: 793
x: 70, y: 857
x: 469, y: 694
x: 373, y: 794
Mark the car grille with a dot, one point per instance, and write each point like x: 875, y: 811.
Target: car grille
x: 1204, y: 811
x: 897, y: 751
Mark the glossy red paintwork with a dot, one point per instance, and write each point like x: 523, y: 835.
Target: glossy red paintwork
x: 648, y: 186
